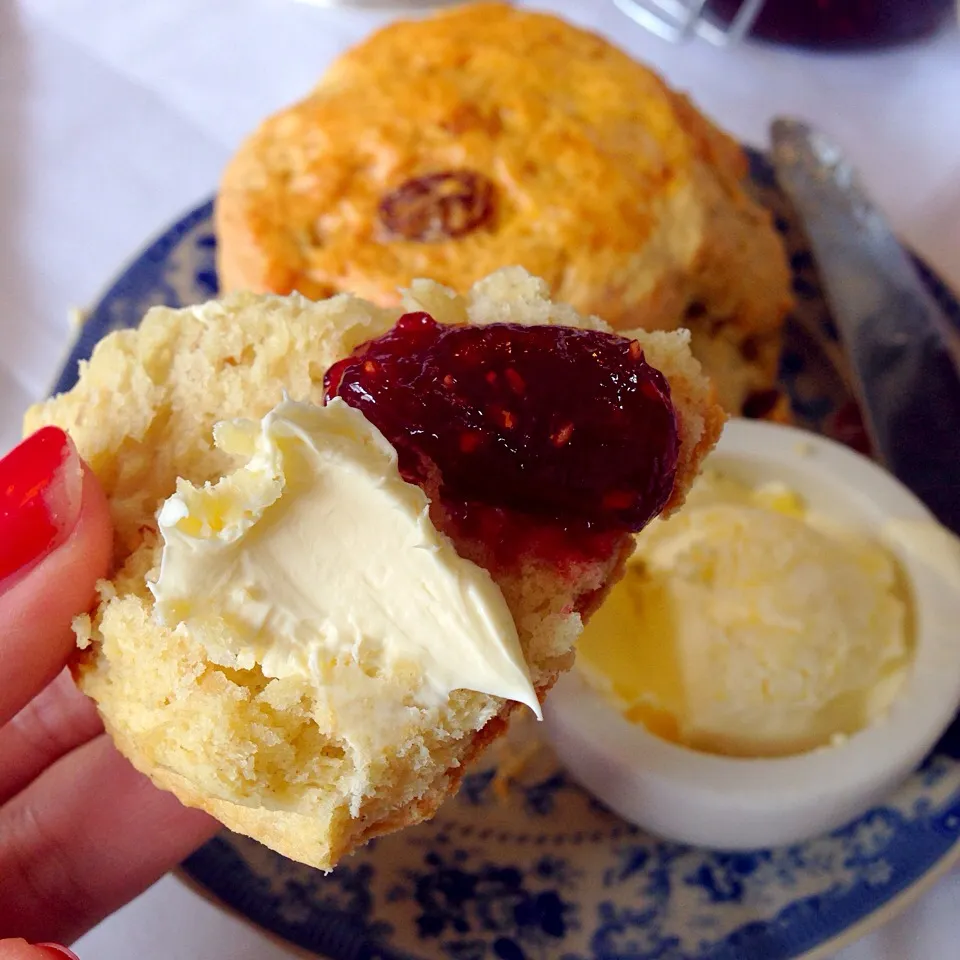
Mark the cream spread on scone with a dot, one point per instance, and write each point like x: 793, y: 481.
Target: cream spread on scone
x: 317, y: 552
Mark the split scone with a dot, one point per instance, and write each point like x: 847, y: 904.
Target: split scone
x: 352, y: 539
x: 489, y: 135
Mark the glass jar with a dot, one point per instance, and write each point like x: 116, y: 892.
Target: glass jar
x: 841, y: 24
x: 383, y: 5
x: 814, y: 24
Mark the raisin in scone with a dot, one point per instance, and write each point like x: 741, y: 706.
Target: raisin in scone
x: 536, y: 439
x: 487, y: 136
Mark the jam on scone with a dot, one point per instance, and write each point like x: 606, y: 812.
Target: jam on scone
x: 552, y: 437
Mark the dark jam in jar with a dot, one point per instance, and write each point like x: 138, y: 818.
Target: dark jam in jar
x: 841, y: 24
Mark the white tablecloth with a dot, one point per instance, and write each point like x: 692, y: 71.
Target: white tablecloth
x: 115, y: 116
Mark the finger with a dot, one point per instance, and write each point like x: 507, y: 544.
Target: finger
x: 84, y: 838
x: 55, y: 543
x: 52, y: 724
x: 21, y: 950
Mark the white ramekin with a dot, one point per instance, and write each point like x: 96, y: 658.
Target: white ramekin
x: 734, y: 803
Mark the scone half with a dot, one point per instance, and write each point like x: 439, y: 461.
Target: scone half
x: 254, y: 750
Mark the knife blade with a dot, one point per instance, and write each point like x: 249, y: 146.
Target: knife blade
x: 903, y: 351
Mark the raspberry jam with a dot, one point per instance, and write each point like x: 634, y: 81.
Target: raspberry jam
x: 560, y: 425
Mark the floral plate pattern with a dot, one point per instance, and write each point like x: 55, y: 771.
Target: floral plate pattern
x: 527, y: 866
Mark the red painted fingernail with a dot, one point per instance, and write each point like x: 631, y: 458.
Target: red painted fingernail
x: 40, y: 490
x: 57, y: 950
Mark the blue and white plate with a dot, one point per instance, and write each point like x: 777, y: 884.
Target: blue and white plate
x: 527, y: 866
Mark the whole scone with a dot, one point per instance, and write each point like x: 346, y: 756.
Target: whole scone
x: 487, y: 136
x: 254, y: 750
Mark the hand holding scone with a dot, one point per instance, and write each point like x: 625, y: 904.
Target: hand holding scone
x: 81, y: 832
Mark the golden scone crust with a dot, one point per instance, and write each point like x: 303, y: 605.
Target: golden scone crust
x: 569, y: 159
x: 257, y: 752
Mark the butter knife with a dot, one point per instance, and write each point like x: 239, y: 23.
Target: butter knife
x: 903, y: 351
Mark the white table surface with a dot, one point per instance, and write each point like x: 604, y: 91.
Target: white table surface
x: 115, y: 116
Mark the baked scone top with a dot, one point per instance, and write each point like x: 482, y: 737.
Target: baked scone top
x: 570, y: 159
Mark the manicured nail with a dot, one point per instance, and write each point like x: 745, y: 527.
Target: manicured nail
x: 57, y: 950
x: 41, y: 483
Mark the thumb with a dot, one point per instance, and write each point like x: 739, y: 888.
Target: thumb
x: 55, y: 543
